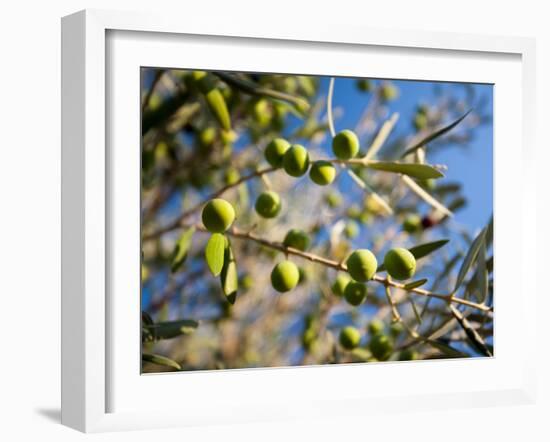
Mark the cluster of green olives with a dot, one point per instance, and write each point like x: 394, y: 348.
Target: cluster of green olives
x: 295, y: 160
x: 380, y: 344
x: 362, y: 265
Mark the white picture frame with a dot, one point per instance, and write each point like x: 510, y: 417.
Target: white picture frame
x: 91, y: 320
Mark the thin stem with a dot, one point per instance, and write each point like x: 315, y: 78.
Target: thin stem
x: 237, y: 233
x: 425, y: 196
x: 361, y: 183
x: 183, y: 216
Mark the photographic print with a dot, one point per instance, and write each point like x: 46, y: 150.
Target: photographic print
x: 297, y: 220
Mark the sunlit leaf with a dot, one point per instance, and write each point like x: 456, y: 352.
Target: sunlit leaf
x: 434, y: 135
x: 214, y: 253
x: 470, y: 258
x: 415, y: 170
x: 182, y: 248
x: 160, y: 360
x: 229, y: 277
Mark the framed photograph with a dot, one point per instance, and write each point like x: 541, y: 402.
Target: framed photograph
x: 265, y: 224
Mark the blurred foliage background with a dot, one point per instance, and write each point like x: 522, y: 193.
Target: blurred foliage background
x: 192, y: 148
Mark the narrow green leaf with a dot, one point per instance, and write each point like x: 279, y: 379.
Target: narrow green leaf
x: 473, y: 336
x: 421, y: 250
x: 214, y: 253
x: 435, y: 135
x: 482, y: 278
x: 160, y: 360
x: 415, y: 284
x: 182, y: 249
x: 415, y: 170
x: 415, y: 310
x: 171, y: 329
x: 229, y: 277
x: 469, y: 259
x: 447, y: 350
x: 489, y: 234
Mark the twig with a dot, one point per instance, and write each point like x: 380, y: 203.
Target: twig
x: 237, y: 233
x: 253, y: 89
x: 425, y: 195
x: 183, y: 216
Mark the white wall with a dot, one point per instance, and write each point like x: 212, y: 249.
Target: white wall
x: 30, y: 213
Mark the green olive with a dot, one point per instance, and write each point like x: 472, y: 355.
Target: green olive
x: 355, y: 293
x: 285, y: 276
x: 333, y: 199
x: 362, y: 265
x: 396, y: 329
x: 232, y: 175
x: 308, y: 338
x: 388, y: 92
x: 218, y: 215
x: 262, y: 112
x: 349, y: 337
x: 381, y: 347
x: 408, y: 355
x: 340, y: 284
x: 345, y: 145
x: 322, y: 173
x: 376, y: 326
x: 296, y: 160
x: 297, y: 239
x: 268, y: 204
x: 400, y: 264
x: 275, y: 151
x: 364, y: 85
x: 207, y: 136
x: 412, y: 224
x: 420, y: 122
x: 351, y: 230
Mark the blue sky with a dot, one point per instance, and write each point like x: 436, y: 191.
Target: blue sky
x: 470, y: 164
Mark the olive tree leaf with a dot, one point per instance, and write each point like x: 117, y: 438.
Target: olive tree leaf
x: 446, y: 349
x: 470, y: 258
x: 434, y: 135
x: 482, y: 277
x: 415, y: 170
x: 415, y: 284
x: 160, y: 360
x: 421, y: 250
x: 182, y: 249
x: 229, y: 277
x: 214, y: 253
x: 473, y: 336
x: 170, y: 329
